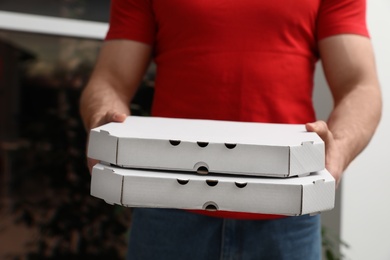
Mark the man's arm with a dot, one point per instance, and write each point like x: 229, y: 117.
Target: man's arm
x: 350, y: 70
x: 114, y: 81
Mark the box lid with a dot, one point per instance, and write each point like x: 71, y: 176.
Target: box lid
x: 258, y: 149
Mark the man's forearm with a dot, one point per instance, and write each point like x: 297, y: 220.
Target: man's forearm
x: 349, y: 66
x: 354, y: 120
x: 116, y: 77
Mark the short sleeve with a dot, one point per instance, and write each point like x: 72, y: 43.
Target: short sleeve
x: 133, y: 20
x: 342, y: 16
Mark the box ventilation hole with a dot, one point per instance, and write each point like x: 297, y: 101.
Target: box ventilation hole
x: 202, y: 144
x: 202, y: 170
x: 210, y: 206
x: 212, y: 183
x: 182, y: 182
x: 174, y: 142
x: 230, y: 146
x: 241, y: 184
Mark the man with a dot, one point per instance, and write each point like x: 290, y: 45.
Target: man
x: 243, y: 61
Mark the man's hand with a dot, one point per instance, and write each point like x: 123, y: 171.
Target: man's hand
x: 334, y: 161
x: 110, y: 116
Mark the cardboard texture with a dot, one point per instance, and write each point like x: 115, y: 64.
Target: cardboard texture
x: 257, y: 149
x: 161, y: 189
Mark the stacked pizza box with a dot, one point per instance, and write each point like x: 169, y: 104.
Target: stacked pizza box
x: 212, y: 165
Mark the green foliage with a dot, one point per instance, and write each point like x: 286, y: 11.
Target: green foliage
x: 331, y: 245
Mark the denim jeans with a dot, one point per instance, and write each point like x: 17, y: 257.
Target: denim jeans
x: 159, y: 234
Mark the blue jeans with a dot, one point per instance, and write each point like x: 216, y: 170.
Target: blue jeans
x: 159, y: 234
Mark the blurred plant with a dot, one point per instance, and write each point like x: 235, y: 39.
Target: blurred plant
x: 331, y: 245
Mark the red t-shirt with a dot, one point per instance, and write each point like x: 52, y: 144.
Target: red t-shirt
x: 246, y: 60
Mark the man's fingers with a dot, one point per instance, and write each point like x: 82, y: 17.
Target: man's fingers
x: 334, y: 163
x: 113, y: 116
x: 91, y: 163
x: 110, y: 116
x: 321, y: 128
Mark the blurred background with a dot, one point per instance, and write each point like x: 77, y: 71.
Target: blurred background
x: 47, y: 51
x: 46, y: 211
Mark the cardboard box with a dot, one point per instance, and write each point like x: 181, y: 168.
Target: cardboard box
x: 258, y: 149
x: 161, y: 189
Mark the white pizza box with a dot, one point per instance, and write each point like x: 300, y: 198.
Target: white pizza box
x: 259, y: 149
x: 161, y: 189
